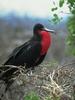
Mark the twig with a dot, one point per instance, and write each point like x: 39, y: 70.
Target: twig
x: 64, y: 65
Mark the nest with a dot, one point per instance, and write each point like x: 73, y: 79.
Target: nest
x: 56, y: 82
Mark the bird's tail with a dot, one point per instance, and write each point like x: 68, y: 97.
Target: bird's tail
x: 10, y: 61
x: 7, y: 73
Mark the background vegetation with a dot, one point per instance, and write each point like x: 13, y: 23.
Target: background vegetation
x: 70, y: 22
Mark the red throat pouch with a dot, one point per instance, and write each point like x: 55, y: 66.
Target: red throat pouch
x: 46, y: 41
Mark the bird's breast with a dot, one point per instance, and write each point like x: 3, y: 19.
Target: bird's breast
x: 45, y: 42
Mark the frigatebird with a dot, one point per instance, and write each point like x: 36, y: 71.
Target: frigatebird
x: 30, y: 54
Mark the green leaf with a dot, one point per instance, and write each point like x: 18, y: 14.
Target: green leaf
x: 53, y: 9
x: 61, y: 2
x: 55, y: 19
x: 71, y: 2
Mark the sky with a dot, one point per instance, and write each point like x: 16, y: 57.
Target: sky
x: 39, y: 8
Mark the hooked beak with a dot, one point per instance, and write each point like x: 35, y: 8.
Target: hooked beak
x: 48, y: 30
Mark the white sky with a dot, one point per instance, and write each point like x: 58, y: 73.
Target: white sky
x: 34, y: 7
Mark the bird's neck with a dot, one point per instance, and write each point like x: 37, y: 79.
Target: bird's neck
x: 36, y: 37
x: 45, y: 42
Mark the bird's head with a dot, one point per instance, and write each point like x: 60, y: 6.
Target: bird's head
x: 43, y: 34
x: 39, y: 27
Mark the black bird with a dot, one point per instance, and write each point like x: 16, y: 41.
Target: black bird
x: 33, y: 51
x: 30, y: 54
